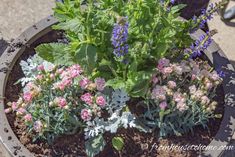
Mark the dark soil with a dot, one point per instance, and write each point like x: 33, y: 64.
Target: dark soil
x: 137, y: 144
x: 194, y: 7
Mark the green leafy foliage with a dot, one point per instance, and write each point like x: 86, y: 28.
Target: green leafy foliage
x: 87, y: 57
x: 154, y: 32
x: 55, y: 53
x: 118, y: 143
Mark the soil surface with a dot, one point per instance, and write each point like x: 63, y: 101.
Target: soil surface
x: 137, y: 144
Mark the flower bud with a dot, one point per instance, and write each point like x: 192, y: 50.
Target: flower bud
x: 66, y: 107
x: 8, y: 110
x: 217, y: 83
x: 51, y: 104
x: 24, y: 105
x: 91, y: 86
x: 214, y: 104
x: 9, y: 103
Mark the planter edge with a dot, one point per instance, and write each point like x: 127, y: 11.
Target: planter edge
x: 12, y: 145
x: 224, y: 135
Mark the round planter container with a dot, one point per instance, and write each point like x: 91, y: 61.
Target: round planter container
x: 13, y: 146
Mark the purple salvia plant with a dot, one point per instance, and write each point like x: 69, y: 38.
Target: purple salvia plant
x: 200, y: 45
x: 119, y: 38
x: 207, y: 15
x: 200, y: 22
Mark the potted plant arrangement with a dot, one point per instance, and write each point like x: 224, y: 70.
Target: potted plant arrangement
x: 115, y: 78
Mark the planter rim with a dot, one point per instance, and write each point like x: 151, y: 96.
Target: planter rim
x: 214, y: 53
x: 227, y: 126
x: 12, y: 145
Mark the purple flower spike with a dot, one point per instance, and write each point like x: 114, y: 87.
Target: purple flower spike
x: 119, y: 38
x: 200, y: 45
x: 207, y: 15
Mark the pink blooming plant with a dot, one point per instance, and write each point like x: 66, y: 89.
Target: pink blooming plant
x: 163, y: 105
x: 41, y: 67
x: 87, y: 98
x: 171, y: 84
x: 181, y: 84
x: 14, y: 106
x: 84, y: 83
x: 28, y: 96
x: 86, y: 114
x: 63, y: 93
x: 61, y: 102
x: 28, y: 117
x: 100, y: 83
x: 21, y: 111
x: 39, y: 77
x: 100, y: 100
x: 158, y: 93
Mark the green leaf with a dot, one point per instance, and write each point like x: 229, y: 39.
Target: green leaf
x: 116, y: 83
x: 55, y: 53
x: 105, y: 62
x: 73, y: 25
x: 118, y: 143
x: 177, y: 8
x: 94, y: 145
x: 137, y: 83
x: 133, y: 66
x: 86, y: 56
x: 161, y: 50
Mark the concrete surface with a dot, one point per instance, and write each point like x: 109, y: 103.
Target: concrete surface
x: 17, y: 15
x: 226, y: 34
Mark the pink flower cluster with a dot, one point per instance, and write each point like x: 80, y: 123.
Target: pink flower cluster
x: 84, y: 83
x: 159, y: 93
x: 95, y: 104
x: 28, y: 97
x: 87, y: 98
x: 61, y: 102
x: 67, y: 76
x: 180, y: 101
x: 100, y: 83
x: 179, y: 83
x: 31, y: 92
x: 86, y: 114
x: 59, y: 91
